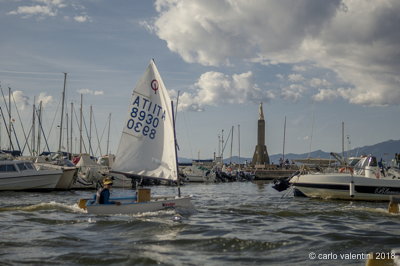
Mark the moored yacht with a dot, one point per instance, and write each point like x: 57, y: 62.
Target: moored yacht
x: 22, y: 175
x: 367, y: 180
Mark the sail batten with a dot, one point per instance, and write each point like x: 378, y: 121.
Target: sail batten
x: 147, y: 140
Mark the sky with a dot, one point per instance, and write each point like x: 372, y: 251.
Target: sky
x: 316, y: 63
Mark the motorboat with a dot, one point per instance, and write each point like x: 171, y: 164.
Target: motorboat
x: 22, y: 175
x: 69, y: 170
x: 367, y: 180
x: 55, y: 161
x: 197, y: 173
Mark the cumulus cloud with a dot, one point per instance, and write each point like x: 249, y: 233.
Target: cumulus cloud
x: 213, y: 88
x: 81, y: 19
x: 358, y: 40
x: 46, y: 8
x: 318, y: 83
x: 325, y: 94
x: 295, y: 77
x: 45, y: 99
x: 89, y: 91
x: 21, y: 99
x: 34, y: 10
x: 293, y: 92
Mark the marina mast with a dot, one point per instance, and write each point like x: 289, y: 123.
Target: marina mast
x: 62, y: 112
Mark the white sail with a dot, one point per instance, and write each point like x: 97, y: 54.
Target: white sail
x: 147, y: 144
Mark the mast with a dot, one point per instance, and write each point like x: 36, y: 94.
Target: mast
x: 80, y: 127
x: 90, y: 131
x: 5, y: 123
x: 108, y: 135
x: 67, y: 129
x: 239, y: 142
x: 222, y: 150
x: 39, y: 138
x: 231, y: 143
x: 0, y: 123
x: 284, y: 140
x: 176, y: 150
x: 219, y: 145
x: 9, y: 114
x: 343, y: 140
x: 33, y: 128
x: 62, y: 112
x: 71, y: 145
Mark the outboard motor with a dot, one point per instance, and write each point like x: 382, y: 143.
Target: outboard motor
x: 283, y: 184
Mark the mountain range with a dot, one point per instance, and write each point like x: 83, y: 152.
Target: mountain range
x: 385, y: 150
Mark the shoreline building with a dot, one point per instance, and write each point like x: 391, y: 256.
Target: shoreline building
x: 260, y: 154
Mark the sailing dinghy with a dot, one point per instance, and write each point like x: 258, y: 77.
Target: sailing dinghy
x: 147, y: 149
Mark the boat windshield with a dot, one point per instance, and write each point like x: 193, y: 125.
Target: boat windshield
x: 362, y: 163
x: 372, y: 161
x: 353, y: 161
x: 366, y: 161
x: 25, y: 166
x: 21, y: 166
x: 29, y: 166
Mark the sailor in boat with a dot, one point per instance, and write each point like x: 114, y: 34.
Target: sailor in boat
x: 103, y: 194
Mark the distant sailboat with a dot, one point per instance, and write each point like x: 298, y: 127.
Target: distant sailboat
x: 147, y: 148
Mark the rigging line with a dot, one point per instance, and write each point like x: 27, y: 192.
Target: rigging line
x: 8, y: 132
x: 22, y: 125
x: 5, y: 124
x: 23, y: 148
x: 226, y: 141
x: 76, y: 120
x: 101, y: 137
x: 108, y: 135
x: 52, y: 123
x: 12, y: 128
x: 97, y: 136
x: 16, y: 138
x: 87, y: 134
x: 41, y: 127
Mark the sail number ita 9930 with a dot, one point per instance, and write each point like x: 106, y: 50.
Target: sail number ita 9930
x: 142, y: 122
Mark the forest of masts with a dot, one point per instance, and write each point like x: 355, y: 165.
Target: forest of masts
x: 35, y: 139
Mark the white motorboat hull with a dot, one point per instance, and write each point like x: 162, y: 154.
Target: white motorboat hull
x: 194, y: 178
x: 337, y: 186
x: 130, y: 206
x: 67, y: 178
x: 35, y: 180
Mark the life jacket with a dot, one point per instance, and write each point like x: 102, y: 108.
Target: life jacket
x: 99, y: 199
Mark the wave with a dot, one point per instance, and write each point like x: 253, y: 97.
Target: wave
x: 45, y: 206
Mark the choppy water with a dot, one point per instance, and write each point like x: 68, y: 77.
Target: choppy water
x: 235, y: 224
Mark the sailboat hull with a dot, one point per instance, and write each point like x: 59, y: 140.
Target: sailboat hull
x: 131, y: 206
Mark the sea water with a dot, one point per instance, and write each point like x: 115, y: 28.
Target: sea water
x: 233, y: 224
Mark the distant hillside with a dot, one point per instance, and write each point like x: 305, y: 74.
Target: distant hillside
x: 384, y: 150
